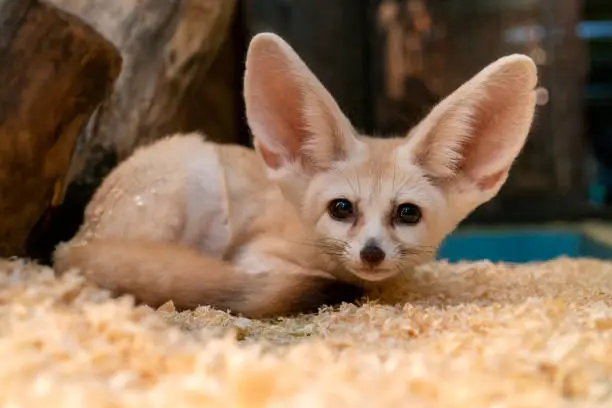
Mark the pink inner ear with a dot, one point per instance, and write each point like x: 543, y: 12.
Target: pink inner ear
x: 291, y: 114
x: 271, y: 159
x: 488, y: 182
x: 275, y: 103
x: 499, y: 119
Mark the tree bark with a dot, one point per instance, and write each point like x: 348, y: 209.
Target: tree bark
x: 54, y: 71
x: 165, y: 45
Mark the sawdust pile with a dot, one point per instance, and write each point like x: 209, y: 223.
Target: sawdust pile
x: 466, y: 335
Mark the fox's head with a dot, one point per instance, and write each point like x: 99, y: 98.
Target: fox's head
x: 381, y: 205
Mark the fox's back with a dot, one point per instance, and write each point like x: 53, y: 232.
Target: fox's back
x: 205, y: 194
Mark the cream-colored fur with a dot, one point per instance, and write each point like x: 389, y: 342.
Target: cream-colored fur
x: 200, y: 223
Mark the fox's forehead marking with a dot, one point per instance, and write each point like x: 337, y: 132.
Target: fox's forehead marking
x: 379, y: 174
x: 376, y: 181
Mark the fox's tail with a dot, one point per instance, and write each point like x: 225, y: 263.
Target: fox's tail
x: 155, y: 273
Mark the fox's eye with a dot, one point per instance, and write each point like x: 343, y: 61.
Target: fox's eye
x: 340, y: 209
x: 408, y: 214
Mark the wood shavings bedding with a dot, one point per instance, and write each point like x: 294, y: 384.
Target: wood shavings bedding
x: 462, y: 335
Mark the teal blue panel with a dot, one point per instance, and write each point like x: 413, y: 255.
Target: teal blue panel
x: 514, y: 245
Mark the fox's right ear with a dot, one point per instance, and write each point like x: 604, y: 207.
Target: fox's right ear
x: 294, y: 119
x: 470, y: 140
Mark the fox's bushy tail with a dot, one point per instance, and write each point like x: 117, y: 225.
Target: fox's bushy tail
x: 155, y: 273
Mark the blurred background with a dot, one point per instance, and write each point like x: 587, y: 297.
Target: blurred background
x: 387, y: 62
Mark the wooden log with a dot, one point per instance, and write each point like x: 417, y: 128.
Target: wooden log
x: 165, y: 45
x: 170, y: 50
x: 54, y: 71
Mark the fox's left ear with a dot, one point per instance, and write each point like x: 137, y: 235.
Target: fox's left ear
x: 470, y: 140
x: 294, y: 119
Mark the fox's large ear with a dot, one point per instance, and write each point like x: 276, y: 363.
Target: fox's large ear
x: 292, y: 116
x: 473, y: 136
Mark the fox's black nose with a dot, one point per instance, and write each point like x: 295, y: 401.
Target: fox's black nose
x: 372, y: 254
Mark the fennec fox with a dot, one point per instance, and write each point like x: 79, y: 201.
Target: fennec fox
x: 315, y: 211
